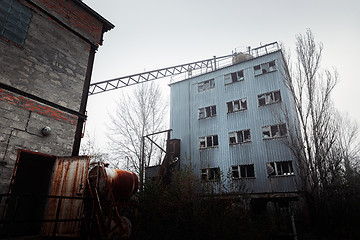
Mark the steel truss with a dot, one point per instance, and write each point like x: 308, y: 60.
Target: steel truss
x: 207, y: 65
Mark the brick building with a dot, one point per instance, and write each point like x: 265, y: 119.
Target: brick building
x: 47, y: 52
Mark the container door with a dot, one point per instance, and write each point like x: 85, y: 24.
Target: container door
x: 69, y: 180
x: 24, y: 209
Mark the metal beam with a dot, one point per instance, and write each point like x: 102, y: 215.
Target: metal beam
x: 116, y: 83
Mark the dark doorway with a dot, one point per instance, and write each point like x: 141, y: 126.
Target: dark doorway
x: 26, y: 206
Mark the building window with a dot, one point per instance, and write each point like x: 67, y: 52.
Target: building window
x: 14, y: 21
x: 206, y: 85
x: 243, y: 171
x: 242, y: 136
x: 283, y: 168
x: 209, y: 141
x: 210, y: 174
x: 237, y: 105
x: 207, y: 112
x: 264, y: 68
x: 269, y: 98
x: 274, y: 131
x: 234, y: 77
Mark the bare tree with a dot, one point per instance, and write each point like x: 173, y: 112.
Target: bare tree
x: 323, y: 141
x: 89, y: 147
x: 139, y: 113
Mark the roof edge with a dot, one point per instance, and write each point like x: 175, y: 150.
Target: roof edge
x: 107, y: 25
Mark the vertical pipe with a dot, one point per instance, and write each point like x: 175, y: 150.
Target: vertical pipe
x: 215, y: 62
x: 142, y: 159
x: 84, y: 98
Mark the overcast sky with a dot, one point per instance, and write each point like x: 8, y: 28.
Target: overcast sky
x: 152, y: 34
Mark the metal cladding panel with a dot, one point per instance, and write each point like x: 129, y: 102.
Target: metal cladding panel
x: 69, y: 180
x: 186, y: 125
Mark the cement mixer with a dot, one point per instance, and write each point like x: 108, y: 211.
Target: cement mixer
x: 121, y: 183
x: 111, y: 191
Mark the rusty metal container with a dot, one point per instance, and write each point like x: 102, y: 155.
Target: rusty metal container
x: 122, y: 184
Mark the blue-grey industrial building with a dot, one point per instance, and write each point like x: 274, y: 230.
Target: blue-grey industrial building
x: 232, y: 127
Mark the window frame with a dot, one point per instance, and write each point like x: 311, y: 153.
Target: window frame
x: 269, y: 98
x: 272, y: 131
x: 281, y: 169
x: 204, y: 142
x: 247, y: 169
x: 233, y: 77
x: 234, y: 137
x: 210, y: 174
x: 16, y: 20
x: 239, y: 103
x: 205, y: 110
x: 264, y: 68
x: 206, y: 85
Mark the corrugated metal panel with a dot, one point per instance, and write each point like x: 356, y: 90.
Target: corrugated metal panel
x: 186, y: 100
x: 69, y: 179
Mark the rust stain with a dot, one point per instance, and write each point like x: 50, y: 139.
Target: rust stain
x: 69, y: 174
x: 122, y: 183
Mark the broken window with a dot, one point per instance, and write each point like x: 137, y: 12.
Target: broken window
x: 272, y: 66
x: 243, y: 104
x: 210, y: 174
x: 230, y: 107
x: 266, y: 132
x: 269, y: 98
x: 283, y: 168
x: 201, y: 113
x: 243, y: 171
x: 204, y: 174
x: 208, y: 142
x: 200, y: 87
x: 274, y: 131
x: 237, y: 105
x: 242, y: 136
x: 206, y: 85
x: 257, y: 70
x: 202, y: 142
x: 212, y: 83
x: 264, y: 68
x: 232, y: 138
x: 215, y: 140
x: 14, y: 21
x: 240, y: 75
x: 234, y: 77
x: 227, y: 78
x: 207, y: 112
x: 282, y: 128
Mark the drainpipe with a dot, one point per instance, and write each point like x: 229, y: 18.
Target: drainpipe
x: 80, y: 123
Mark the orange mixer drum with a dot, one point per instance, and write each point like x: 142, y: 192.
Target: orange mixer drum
x: 123, y: 184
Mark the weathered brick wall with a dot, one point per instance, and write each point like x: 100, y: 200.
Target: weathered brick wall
x: 21, y: 121
x: 52, y: 64
x: 75, y: 17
